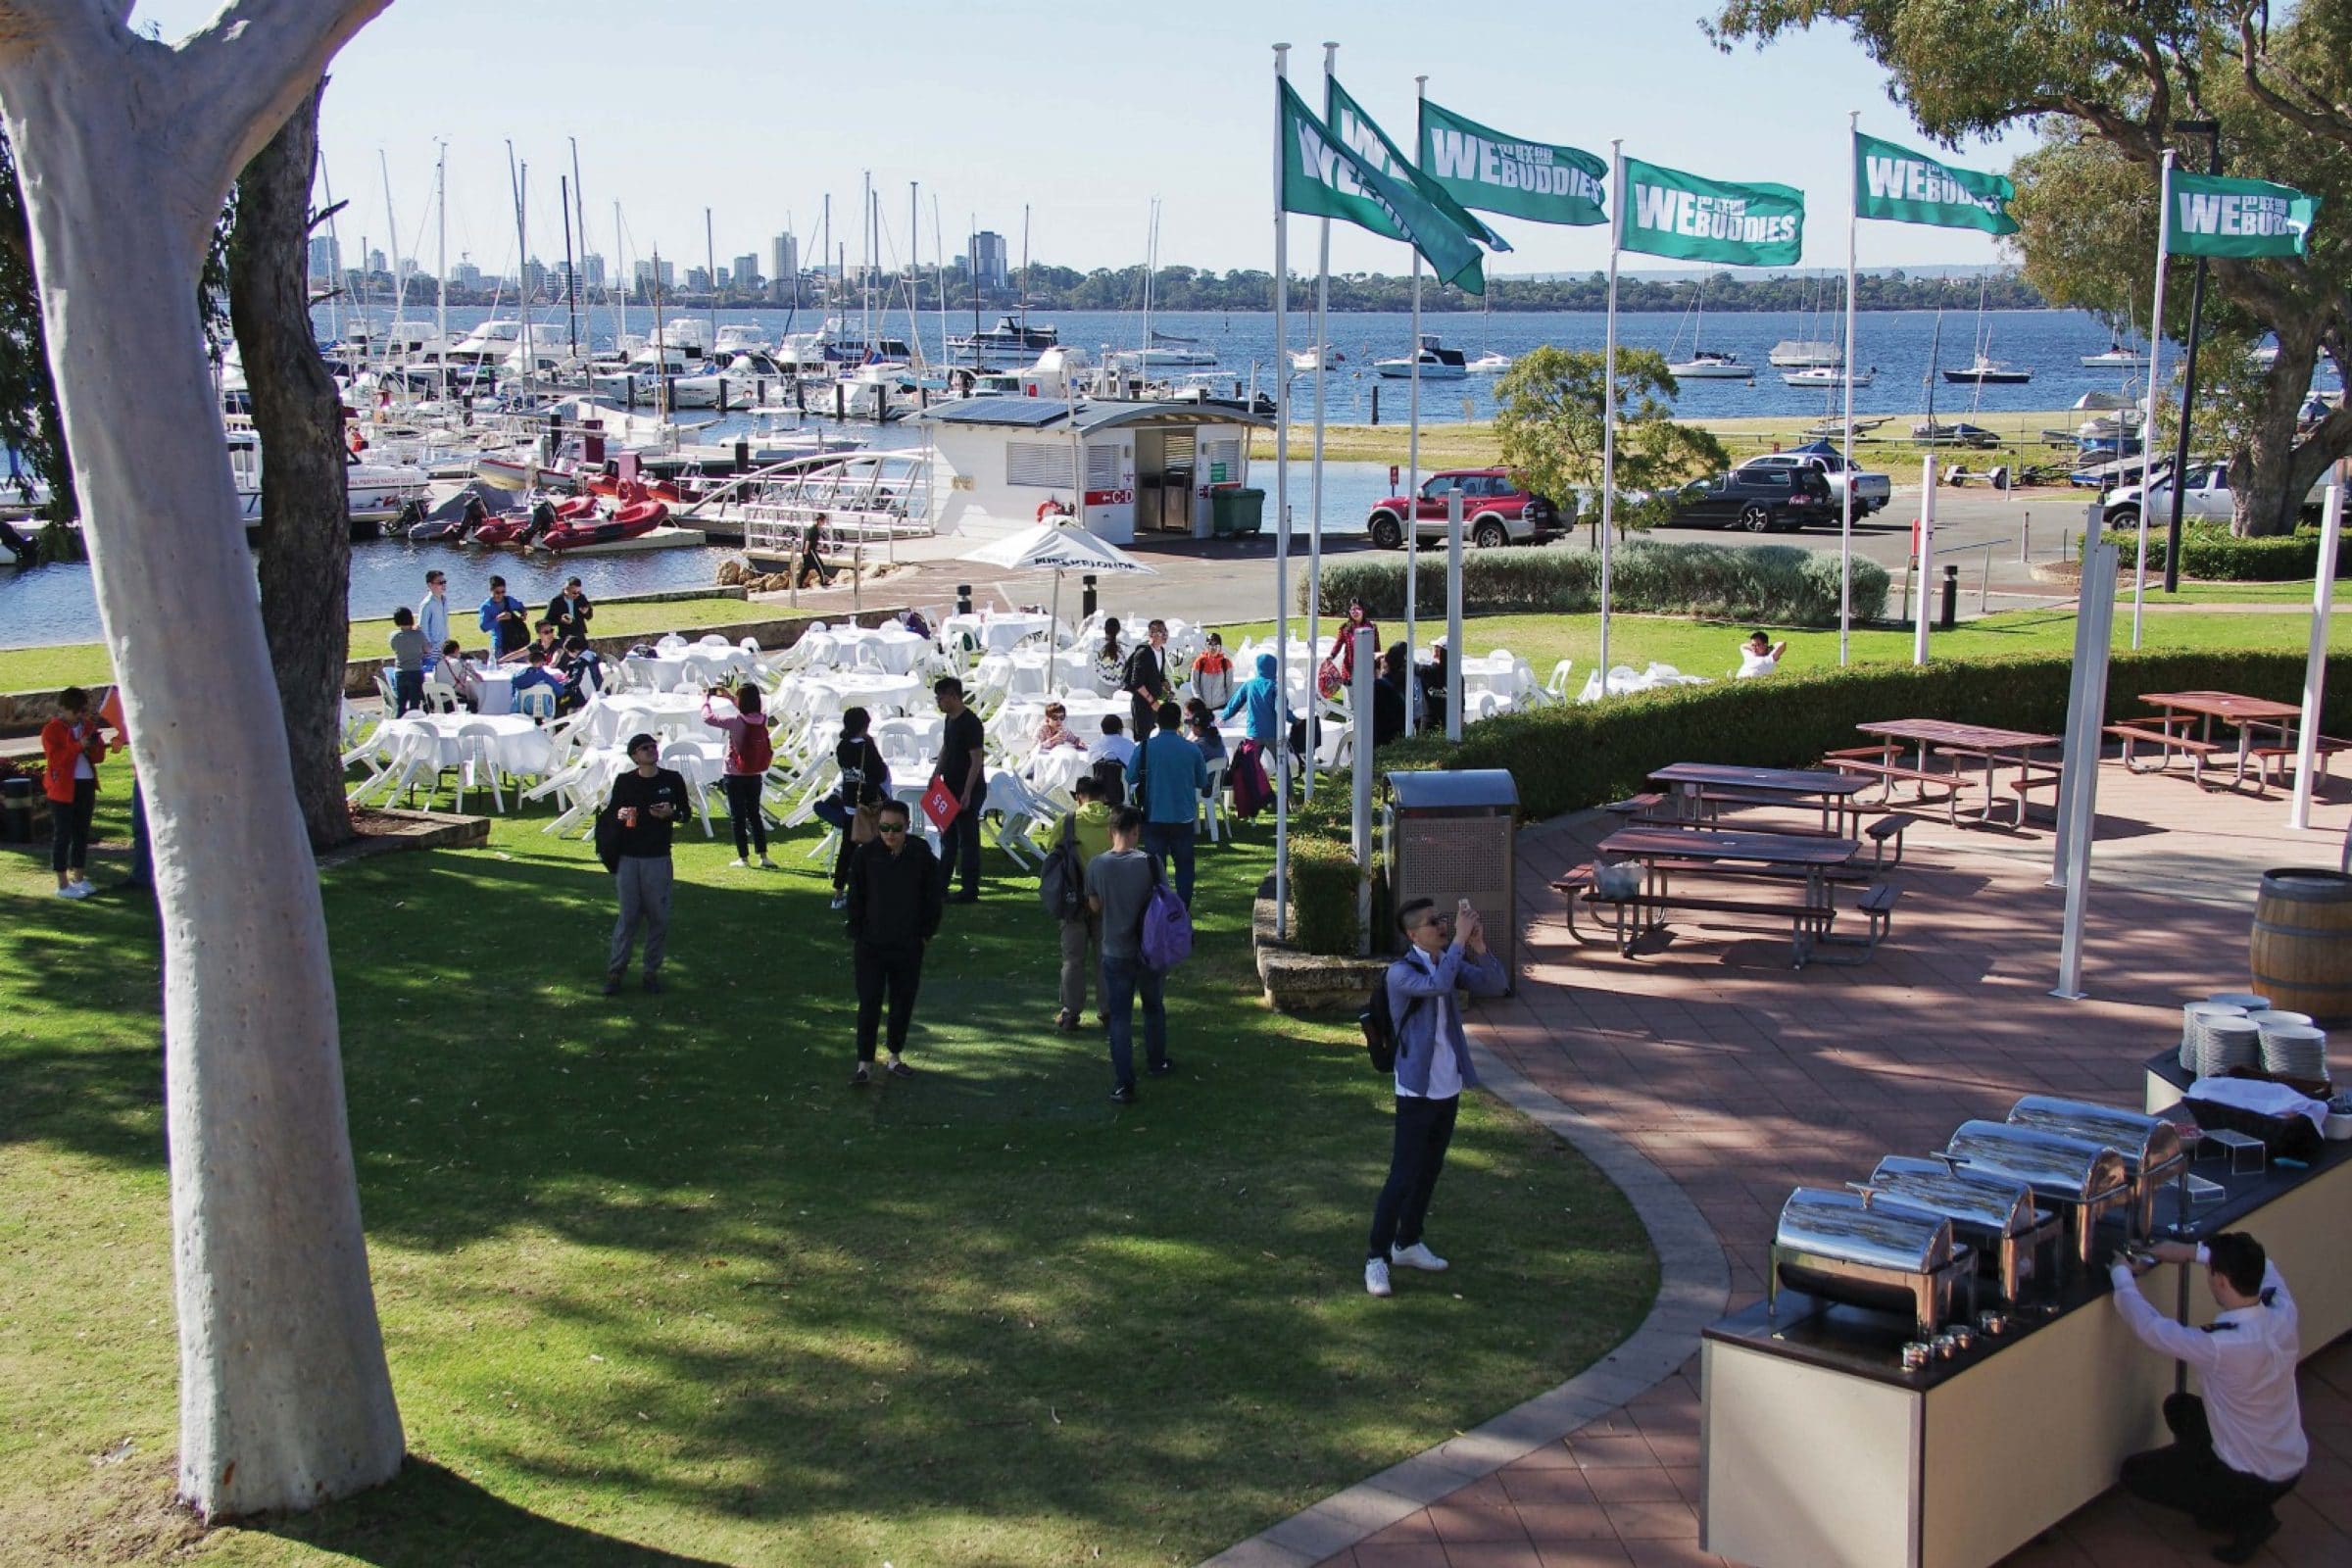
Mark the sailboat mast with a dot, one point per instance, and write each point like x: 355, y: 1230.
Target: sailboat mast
x: 579, y: 216
x: 334, y: 243
x: 939, y: 250
x: 620, y: 271
x: 571, y: 270
x: 518, y: 178
x: 915, y: 221
x: 710, y: 270
x: 1143, y: 356
x: 441, y: 261
x: 865, y: 261
x: 1024, y: 272
x: 400, y: 293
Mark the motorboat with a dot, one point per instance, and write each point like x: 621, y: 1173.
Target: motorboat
x: 1316, y: 360
x: 1160, y: 357
x: 1830, y: 375
x: 1713, y: 365
x: 1437, y: 361
x: 1011, y: 335
x: 377, y: 492
x: 739, y: 337
x: 1805, y: 354
x: 1983, y: 372
x: 1490, y: 363
x: 1958, y: 433
x: 2115, y: 356
x: 632, y: 521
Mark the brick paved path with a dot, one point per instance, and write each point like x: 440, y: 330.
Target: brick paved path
x: 1741, y: 1079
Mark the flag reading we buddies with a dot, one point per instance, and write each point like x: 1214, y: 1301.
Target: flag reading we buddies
x: 1665, y: 212
x: 1499, y: 173
x: 1323, y: 177
x: 1899, y: 185
x: 2213, y: 215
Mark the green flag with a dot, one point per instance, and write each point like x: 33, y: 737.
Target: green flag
x: 1665, y: 212
x: 1497, y: 174
x: 2215, y: 216
x: 1902, y: 187
x: 1348, y: 122
x: 1324, y: 178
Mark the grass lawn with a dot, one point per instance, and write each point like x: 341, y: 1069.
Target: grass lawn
x: 36, y: 670
x: 1712, y: 647
x: 2284, y: 595
x: 1459, y: 444
x: 658, y: 1288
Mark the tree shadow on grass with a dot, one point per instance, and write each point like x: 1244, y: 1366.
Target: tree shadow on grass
x: 431, y: 1517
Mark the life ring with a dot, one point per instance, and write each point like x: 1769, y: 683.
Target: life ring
x: 1054, y: 507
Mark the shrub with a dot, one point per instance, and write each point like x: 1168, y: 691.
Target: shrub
x: 1779, y: 584
x: 1323, y: 877
x: 2211, y: 553
x: 1567, y: 758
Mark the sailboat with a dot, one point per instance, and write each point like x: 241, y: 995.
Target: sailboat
x: 1709, y: 364
x: 1983, y: 369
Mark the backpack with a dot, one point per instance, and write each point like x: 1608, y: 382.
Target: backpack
x: 756, y: 752
x: 1111, y: 779
x: 1060, y: 883
x: 1381, y: 1031
x: 607, y: 838
x: 1167, y: 926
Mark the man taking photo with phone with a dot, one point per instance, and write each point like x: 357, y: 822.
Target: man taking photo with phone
x: 1448, y: 952
x: 646, y: 805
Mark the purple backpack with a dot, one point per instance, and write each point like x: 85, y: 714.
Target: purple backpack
x: 1167, y: 926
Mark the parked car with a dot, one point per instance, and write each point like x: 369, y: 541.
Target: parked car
x: 1872, y: 491
x: 1496, y: 509
x: 1758, y: 500
x: 2206, y: 494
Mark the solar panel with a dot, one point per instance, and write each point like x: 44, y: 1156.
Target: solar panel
x: 1029, y: 412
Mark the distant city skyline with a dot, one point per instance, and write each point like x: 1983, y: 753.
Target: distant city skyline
x: 1182, y: 113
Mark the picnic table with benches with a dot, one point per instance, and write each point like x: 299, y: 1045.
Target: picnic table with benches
x: 2180, y: 713
x: 1995, y: 749
x: 1814, y: 866
x: 1698, y: 791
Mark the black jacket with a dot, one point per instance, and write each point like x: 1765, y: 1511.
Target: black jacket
x: 1144, y: 675
x: 895, y: 902
x: 650, y: 837
x: 569, y: 615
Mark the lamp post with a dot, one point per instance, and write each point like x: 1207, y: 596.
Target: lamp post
x: 2211, y: 130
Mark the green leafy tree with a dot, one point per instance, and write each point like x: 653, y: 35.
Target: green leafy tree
x: 2105, y: 80
x: 1547, y: 419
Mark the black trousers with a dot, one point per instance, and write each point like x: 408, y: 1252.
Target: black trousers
x: 896, y: 970
x: 70, y: 827
x: 1424, y: 1128
x: 2189, y: 1476
x: 743, y: 810
x: 959, y: 846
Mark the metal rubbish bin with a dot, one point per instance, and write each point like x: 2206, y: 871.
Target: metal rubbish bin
x: 1453, y: 835
x: 15, y: 811
x: 1232, y: 511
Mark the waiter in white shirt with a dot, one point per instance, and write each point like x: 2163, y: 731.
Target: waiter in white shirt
x: 2239, y: 1449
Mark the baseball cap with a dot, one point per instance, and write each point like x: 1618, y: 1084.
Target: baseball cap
x: 638, y: 740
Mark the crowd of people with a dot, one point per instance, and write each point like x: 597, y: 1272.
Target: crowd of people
x: 552, y: 653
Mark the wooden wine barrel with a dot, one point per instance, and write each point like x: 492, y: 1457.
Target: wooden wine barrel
x: 2302, y: 946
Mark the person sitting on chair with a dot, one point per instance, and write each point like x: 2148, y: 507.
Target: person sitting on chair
x: 536, y: 673
x: 458, y: 673
x: 1054, y: 730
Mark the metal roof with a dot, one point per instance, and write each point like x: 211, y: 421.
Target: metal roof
x: 1094, y: 414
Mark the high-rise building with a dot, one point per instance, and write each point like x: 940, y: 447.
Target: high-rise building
x: 534, y: 277
x: 327, y: 258
x: 697, y: 280
x: 650, y: 273
x: 465, y: 276
x: 591, y: 271
x: 746, y: 273
x: 783, y: 258
x: 988, y: 259
x: 375, y: 261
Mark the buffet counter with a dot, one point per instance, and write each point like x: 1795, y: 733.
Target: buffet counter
x: 1822, y: 1448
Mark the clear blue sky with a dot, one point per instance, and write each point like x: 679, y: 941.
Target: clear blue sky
x: 1085, y: 113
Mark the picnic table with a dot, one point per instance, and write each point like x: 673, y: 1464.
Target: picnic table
x: 1995, y: 748
x: 2168, y: 733
x: 1805, y: 860
x: 1695, y: 786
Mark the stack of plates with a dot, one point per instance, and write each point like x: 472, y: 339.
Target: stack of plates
x: 2225, y: 1044
x: 2242, y: 1001
x: 2292, y: 1050
x: 2193, y: 1018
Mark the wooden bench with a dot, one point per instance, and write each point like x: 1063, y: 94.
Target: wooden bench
x: 2263, y: 757
x: 1841, y: 875
x: 1636, y: 804
x: 2031, y: 779
x: 2168, y: 736
x: 1890, y: 826
x: 1876, y: 905
x: 1807, y: 923
x: 1576, y: 880
x: 1888, y: 772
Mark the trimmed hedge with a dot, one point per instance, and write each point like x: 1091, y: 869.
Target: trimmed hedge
x: 1323, y: 875
x: 1778, y: 584
x: 2211, y: 553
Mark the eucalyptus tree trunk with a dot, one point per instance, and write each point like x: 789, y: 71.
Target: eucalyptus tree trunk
x: 125, y: 148
x: 306, y: 503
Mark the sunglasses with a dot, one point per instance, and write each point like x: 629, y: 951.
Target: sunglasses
x: 890, y: 827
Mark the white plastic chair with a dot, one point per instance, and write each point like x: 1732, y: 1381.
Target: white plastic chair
x: 1209, y: 820
x: 686, y: 756
x: 538, y: 705
x: 477, y: 749
x: 1558, y: 687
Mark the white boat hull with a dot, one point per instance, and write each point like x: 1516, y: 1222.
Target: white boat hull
x: 1829, y: 378
x: 1705, y: 371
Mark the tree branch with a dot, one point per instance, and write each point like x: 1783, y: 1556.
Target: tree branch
x: 2314, y: 115
x: 243, y: 75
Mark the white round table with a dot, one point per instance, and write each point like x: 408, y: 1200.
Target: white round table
x: 1059, y: 768
x: 895, y: 649
x: 994, y: 633
x: 1499, y: 677
x: 827, y: 693
x: 670, y: 716
x: 493, y: 692
x: 520, y: 746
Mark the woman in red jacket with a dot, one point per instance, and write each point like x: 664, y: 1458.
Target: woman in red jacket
x: 71, y: 747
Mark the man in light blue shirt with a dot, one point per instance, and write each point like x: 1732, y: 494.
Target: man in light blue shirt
x: 433, y: 617
x: 1448, y: 953
x: 1166, y: 777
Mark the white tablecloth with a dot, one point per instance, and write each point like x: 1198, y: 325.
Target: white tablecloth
x: 1059, y: 768
x: 826, y: 693
x: 1497, y: 676
x: 670, y: 716
x: 994, y: 633
x: 1016, y: 723
x: 666, y: 672
x: 897, y: 648
x: 520, y: 746
x: 495, y: 692
x: 1031, y: 671
x: 706, y: 763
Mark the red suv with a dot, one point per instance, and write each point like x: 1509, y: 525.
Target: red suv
x: 1496, y: 509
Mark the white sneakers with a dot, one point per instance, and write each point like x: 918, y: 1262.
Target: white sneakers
x: 1375, y: 1277
x: 1418, y: 1255
x: 75, y: 890
x: 766, y: 864
x: 737, y: 863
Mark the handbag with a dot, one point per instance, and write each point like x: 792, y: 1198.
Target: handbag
x: 865, y: 824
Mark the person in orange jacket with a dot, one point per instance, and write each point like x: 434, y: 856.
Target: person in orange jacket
x: 71, y: 747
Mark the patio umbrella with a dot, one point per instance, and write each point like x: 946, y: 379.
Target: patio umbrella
x: 1057, y: 548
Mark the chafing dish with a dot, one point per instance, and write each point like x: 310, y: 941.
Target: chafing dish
x: 1994, y: 1214
x: 2080, y: 1179
x: 2150, y: 1145
x: 1840, y: 1247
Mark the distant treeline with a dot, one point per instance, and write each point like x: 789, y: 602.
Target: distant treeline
x: 1181, y: 288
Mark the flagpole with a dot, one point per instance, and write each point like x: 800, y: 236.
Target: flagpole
x: 1846, y: 526
x: 1314, y: 505
x: 2147, y: 429
x: 1282, y: 521
x: 1412, y: 484
x: 1608, y: 405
